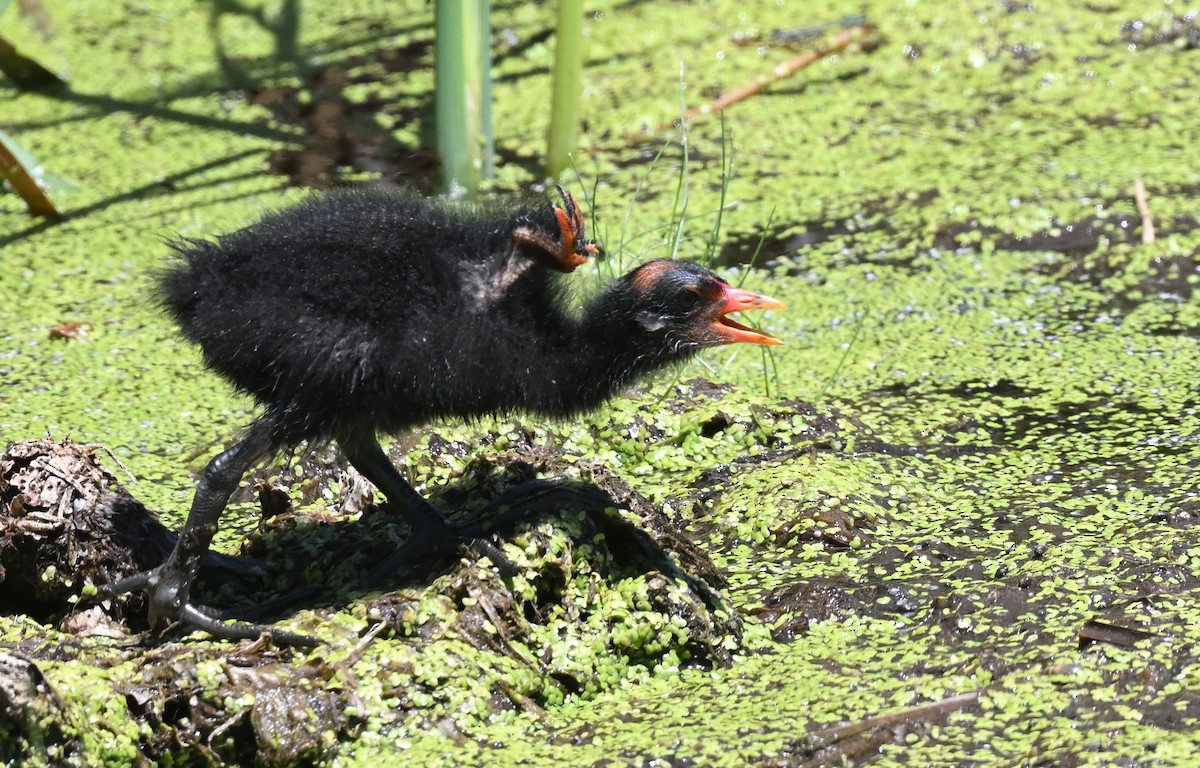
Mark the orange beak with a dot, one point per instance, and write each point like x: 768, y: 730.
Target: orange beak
x: 736, y: 300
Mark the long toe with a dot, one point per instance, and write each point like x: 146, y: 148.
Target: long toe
x: 192, y: 616
x: 426, y: 541
x: 543, y: 496
x: 276, y: 606
x: 165, y: 590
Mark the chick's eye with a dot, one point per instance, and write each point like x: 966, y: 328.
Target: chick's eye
x: 687, y: 300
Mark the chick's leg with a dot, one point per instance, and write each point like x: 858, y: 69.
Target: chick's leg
x: 168, y: 587
x: 429, y: 527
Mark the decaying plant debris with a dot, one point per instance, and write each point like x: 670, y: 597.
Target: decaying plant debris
x: 67, y: 525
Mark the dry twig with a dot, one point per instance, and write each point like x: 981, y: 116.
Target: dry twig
x: 856, y: 742
x: 23, y: 182
x: 1139, y: 197
x: 864, y: 34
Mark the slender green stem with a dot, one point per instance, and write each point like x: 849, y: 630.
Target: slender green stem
x: 679, y: 209
x: 710, y: 249
x: 770, y: 367
x: 625, y: 240
x: 485, y: 77
x: 832, y: 378
x: 568, y: 83
x: 460, y: 72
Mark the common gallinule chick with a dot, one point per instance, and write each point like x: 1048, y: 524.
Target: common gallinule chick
x: 368, y: 311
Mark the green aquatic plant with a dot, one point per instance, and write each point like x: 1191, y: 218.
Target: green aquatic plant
x: 567, y: 78
x: 462, y: 94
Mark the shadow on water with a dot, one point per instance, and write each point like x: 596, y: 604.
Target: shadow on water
x: 300, y: 561
x: 162, y: 186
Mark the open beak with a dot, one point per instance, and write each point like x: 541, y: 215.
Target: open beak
x: 735, y: 300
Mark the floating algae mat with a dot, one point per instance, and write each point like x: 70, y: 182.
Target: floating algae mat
x: 951, y: 521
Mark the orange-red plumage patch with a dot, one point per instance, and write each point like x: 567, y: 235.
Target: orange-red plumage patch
x: 648, y: 276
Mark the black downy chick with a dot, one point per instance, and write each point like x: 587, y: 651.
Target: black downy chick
x: 369, y: 311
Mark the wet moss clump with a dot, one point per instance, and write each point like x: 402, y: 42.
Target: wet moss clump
x: 583, y: 601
